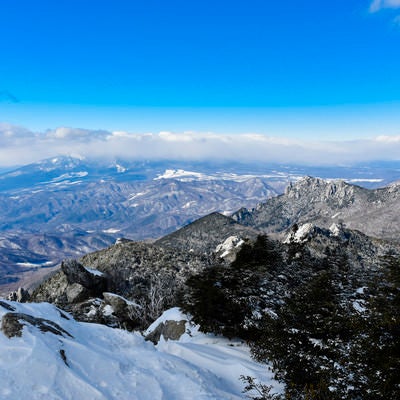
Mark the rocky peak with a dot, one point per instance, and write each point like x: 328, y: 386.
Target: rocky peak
x: 320, y: 202
x: 394, y: 187
x: 319, y: 189
x: 301, y: 233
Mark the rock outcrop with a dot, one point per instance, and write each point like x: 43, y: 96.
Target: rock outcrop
x: 127, y: 285
x: 76, y: 273
x: 13, y: 323
x: 131, y: 283
x: 203, y: 235
x: 73, y: 283
x: 169, y: 330
x: 20, y: 295
x: 376, y: 212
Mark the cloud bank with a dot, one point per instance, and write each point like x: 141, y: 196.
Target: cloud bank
x: 19, y: 146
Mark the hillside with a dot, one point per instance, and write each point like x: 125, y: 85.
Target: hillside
x: 205, y: 234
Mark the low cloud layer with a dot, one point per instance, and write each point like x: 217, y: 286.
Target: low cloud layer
x: 19, y: 146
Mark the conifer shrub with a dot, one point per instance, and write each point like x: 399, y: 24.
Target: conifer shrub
x: 328, y: 328
x: 222, y: 299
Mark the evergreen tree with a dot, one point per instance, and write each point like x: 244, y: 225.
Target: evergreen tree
x: 376, y: 351
x: 211, y: 306
x: 222, y: 299
x: 304, y: 342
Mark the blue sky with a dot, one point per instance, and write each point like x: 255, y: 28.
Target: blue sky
x: 302, y: 70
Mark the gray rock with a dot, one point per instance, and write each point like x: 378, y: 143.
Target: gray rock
x: 11, y: 326
x: 376, y: 213
x: 21, y: 295
x: 7, y: 306
x: 118, y: 303
x: 122, y: 240
x: 77, y: 293
x: 52, y: 290
x: 170, y: 330
x: 77, y: 273
x: 13, y: 323
x: 72, y: 284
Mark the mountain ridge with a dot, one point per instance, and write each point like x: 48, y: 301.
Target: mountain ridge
x: 372, y: 211
x: 81, y: 203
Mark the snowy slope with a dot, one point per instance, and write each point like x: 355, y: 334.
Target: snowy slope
x: 98, y: 362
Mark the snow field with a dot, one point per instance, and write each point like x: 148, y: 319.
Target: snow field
x: 102, y: 363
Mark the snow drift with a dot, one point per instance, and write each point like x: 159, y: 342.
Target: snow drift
x: 60, y: 358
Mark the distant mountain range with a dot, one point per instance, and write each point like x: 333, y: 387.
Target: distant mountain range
x: 63, y: 171
x: 65, y: 207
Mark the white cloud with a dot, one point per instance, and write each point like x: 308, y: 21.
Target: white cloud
x: 388, y: 139
x: 12, y: 132
x: 20, y: 146
x: 75, y: 133
x: 377, y: 5
x: 173, y: 137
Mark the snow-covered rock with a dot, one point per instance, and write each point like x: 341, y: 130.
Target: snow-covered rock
x: 21, y: 295
x: 170, y: 326
x: 299, y: 234
x: 229, y: 248
x: 337, y: 230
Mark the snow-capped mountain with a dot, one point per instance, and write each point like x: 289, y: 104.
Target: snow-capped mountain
x: 75, y: 206
x: 63, y: 171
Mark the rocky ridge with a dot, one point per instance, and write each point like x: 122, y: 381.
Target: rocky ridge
x: 205, y: 234
x: 130, y: 283
x: 375, y: 212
